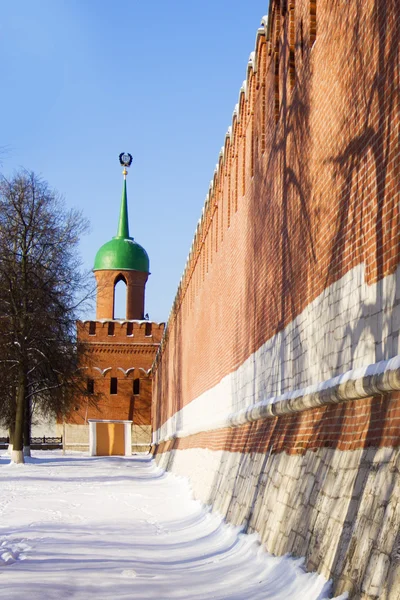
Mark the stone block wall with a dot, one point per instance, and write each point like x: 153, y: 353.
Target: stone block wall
x: 75, y: 437
x: 339, y: 509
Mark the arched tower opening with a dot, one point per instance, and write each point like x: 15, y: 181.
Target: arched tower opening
x: 120, y: 297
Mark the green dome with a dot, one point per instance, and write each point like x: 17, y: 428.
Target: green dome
x: 121, y: 253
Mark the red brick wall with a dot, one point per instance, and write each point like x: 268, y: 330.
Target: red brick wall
x: 125, y: 356
x: 307, y: 188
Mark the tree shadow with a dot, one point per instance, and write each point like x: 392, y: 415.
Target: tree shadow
x: 316, y: 241
x: 323, y: 212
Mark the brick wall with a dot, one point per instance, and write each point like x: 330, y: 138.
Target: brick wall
x: 123, y: 351
x: 291, y: 288
x: 297, y: 202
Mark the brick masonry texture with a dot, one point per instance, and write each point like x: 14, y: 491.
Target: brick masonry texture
x: 315, y: 345
x: 135, y: 290
x: 292, y: 279
x: 296, y: 208
x: 124, y: 353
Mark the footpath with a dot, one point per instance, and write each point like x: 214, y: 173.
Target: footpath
x: 110, y: 528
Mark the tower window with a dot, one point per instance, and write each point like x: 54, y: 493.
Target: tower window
x: 90, y: 386
x: 136, y: 387
x: 92, y: 327
x: 113, y: 385
x: 111, y: 328
x: 129, y: 329
x: 148, y: 328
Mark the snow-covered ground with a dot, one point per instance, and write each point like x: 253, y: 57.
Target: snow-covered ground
x: 120, y: 528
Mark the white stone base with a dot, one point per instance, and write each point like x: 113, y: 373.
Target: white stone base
x: 330, y: 506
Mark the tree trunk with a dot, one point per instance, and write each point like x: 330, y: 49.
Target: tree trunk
x: 17, y: 455
x: 10, y: 443
x: 27, y: 429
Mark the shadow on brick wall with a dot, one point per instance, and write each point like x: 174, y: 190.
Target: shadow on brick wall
x: 365, y: 175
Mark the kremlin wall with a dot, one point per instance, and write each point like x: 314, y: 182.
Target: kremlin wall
x: 276, y: 387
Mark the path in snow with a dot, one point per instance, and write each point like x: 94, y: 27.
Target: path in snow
x: 120, y: 528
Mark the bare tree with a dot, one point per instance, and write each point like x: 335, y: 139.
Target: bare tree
x: 41, y: 288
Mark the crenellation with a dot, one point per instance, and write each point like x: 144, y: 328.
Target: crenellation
x: 121, y: 334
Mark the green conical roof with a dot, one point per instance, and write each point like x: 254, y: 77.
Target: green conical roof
x: 123, y: 223
x: 122, y: 252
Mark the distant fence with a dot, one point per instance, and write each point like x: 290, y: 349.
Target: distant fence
x: 42, y: 443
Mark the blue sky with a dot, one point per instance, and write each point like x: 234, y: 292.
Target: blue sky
x: 83, y: 80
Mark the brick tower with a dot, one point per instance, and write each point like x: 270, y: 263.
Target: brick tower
x: 121, y: 259
x: 120, y: 352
